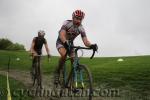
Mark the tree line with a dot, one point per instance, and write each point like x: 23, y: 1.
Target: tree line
x: 6, y: 44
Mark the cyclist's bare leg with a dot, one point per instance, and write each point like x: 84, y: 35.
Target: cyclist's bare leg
x: 33, y: 63
x: 62, y: 52
x: 33, y: 66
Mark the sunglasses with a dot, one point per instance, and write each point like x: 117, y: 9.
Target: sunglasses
x: 78, y: 18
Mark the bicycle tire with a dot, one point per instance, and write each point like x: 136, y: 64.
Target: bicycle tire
x: 37, y: 78
x: 90, y: 81
x: 34, y: 71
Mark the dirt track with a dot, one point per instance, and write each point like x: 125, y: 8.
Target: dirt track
x: 25, y: 78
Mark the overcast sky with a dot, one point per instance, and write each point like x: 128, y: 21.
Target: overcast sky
x: 119, y: 27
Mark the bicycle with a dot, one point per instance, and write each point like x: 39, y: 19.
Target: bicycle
x: 79, y: 74
x: 36, y: 72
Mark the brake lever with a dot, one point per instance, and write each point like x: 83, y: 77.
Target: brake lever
x: 92, y: 55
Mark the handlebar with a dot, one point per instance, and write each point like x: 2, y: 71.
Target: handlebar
x: 42, y: 56
x: 39, y: 55
x: 87, y: 48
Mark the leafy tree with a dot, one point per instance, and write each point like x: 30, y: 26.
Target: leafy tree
x: 6, y: 44
x: 15, y: 46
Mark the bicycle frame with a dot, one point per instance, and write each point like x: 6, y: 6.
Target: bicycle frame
x: 74, y: 68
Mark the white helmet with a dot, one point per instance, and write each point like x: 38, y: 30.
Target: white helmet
x: 41, y: 33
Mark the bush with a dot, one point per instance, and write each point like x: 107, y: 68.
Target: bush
x: 6, y: 44
x: 15, y: 46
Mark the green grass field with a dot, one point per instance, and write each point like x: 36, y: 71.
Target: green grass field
x: 133, y: 74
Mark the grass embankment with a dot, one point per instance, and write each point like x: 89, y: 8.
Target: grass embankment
x: 132, y: 74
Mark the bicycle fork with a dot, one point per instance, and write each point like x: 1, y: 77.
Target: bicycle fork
x: 75, y: 74
x: 81, y: 79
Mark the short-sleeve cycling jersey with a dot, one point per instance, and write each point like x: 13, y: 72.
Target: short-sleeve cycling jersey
x: 72, y: 31
x: 39, y: 44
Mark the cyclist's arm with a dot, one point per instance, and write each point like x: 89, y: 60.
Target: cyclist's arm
x: 32, y: 47
x: 47, y: 49
x: 62, y: 32
x: 84, y: 37
x: 62, y: 36
x: 86, y: 41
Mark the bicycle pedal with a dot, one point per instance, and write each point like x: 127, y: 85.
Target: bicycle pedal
x: 55, y: 83
x: 75, y: 90
x: 41, y: 87
x: 66, y: 86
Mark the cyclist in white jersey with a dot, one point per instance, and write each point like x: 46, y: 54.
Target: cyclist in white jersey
x: 69, y: 31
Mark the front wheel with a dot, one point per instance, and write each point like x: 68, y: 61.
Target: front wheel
x: 81, y: 82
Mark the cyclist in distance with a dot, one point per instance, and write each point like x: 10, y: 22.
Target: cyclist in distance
x: 37, y: 44
x: 68, y: 32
